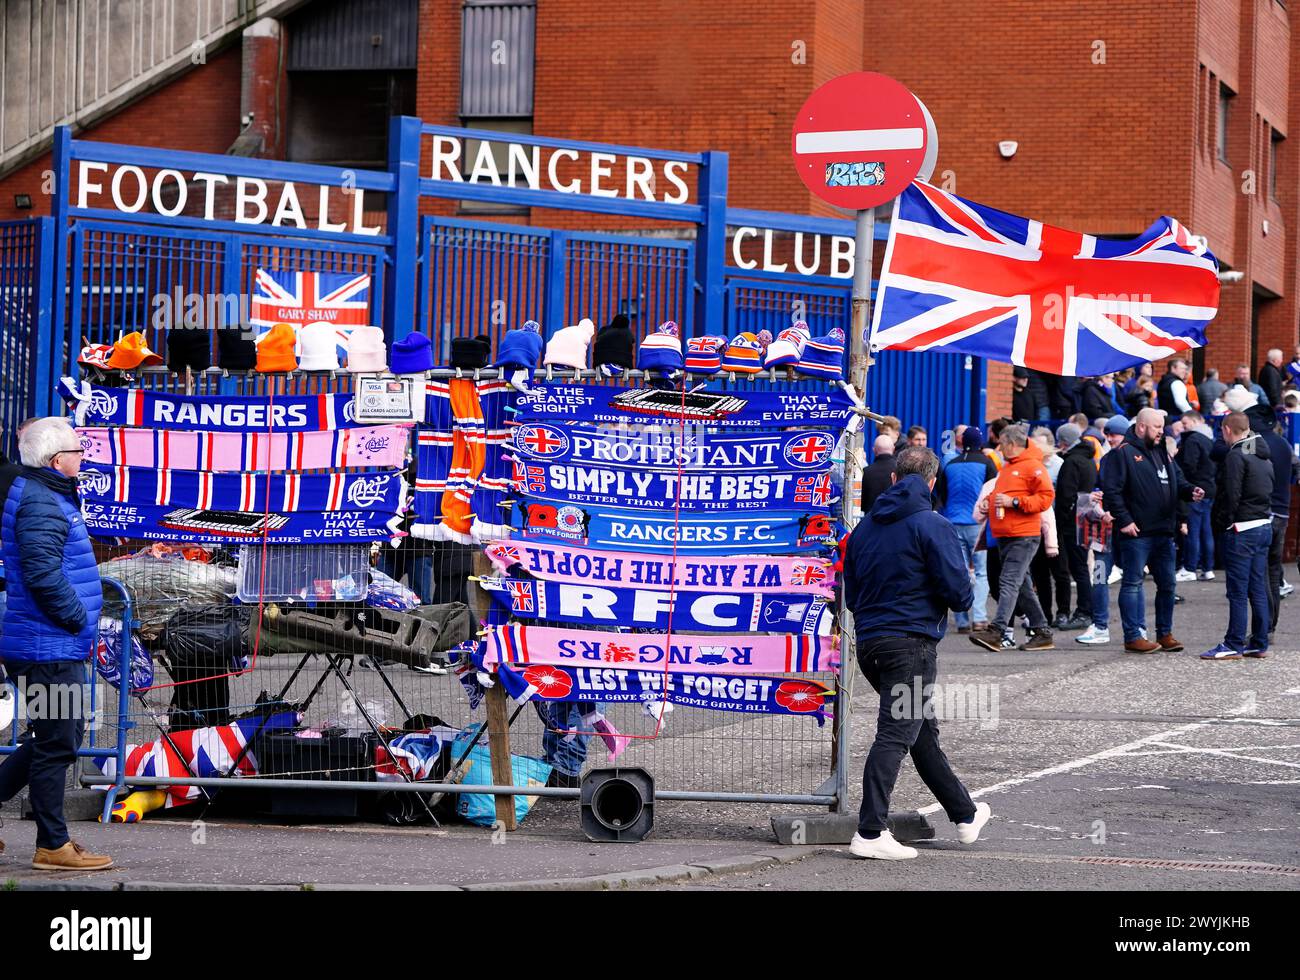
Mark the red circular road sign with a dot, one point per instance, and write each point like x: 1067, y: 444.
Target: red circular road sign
x: 859, y: 140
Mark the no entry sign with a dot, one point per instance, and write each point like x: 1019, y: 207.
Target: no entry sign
x: 860, y: 139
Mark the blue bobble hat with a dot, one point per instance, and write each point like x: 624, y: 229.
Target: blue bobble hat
x: 662, y: 350
x: 704, y: 354
x: 823, y: 357
x: 788, y: 347
x: 413, y: 354
x: 520, y: 348
x: 744, y: 355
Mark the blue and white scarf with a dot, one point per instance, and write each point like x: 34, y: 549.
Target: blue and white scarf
x: 771, y: 532
x: 746, y: 409
x: 710, y: 612
x: 639, y: 470
x: 128, y: 522
x: 376, y: 490
x: 96, y: 405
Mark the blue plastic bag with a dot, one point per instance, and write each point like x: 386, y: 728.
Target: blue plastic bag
x: 108, y: 660
x: 480, y: 808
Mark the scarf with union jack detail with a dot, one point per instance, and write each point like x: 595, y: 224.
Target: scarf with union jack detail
x: 96, y: 405
x: 279, y: 493
x: 517, y: 644
x: 123, y: 523
x: 374, y: 447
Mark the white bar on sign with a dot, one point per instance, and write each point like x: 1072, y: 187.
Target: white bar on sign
x: 860, y: 140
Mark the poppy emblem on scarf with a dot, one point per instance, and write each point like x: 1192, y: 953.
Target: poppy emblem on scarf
x: 799, y: 696
x: 814, y: 527
x: 549, y: 682
x: 541, y: 440
x: 809, y: 450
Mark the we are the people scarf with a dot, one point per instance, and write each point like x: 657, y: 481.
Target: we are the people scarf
x: 373, y: 446
x: 615, y: 606
x: 661, y: 468
x: 557, y: 563
x: 739, y: 408
x: 765, y: 533
x: 188, y: 525
x: 378, y: 490
x: 687, y: 653
x: 753, y: 694
x: 96, y: 405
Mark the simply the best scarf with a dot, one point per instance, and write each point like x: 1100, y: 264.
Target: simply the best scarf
x: 373, y: 447
x: 557, y: 563
x: 188, y: 525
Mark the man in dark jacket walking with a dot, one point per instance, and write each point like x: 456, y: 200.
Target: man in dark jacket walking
x: 1241, y: 514
x: 1195, y: 460
x: 51, y: 623
x: 904, y: 569
x: 1142, y: 488
x: 1271, y: 377
x: 1078, y: 474
x: 878, y: 476
x: 955, y: 494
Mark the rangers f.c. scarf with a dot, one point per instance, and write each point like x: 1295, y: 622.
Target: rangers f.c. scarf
x: 373, y: 447
x: 720, y: 612
x: 661, y: 468
x: 687, y: 653
x: 379, y: 490
x: 556, y: 563
x: 95, y: 405
x: 188, y: 525
x: 732, y: 409
x: 767, y: 532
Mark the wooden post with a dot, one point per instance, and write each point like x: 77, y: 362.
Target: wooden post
x: 498, y: 722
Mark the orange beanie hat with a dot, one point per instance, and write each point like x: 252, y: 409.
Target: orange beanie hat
x: 275, y: 350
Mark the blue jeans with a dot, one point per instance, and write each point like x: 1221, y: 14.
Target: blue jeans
x: 1245, y: 566
x: 1156, y: 553
x: 1200, y: 537
x: 970, y: 537
x: 1102, y: 563
x: 560, y: 718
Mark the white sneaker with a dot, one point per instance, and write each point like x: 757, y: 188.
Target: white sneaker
x: 1116, y: 573
x: 1286, y: 589
x: 969, y: 832
x: 1093, y: 635
x: 884, y: 847
x: 1183, y: 575
x: 1206, y: 576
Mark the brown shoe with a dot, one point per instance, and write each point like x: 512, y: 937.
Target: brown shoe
x: 70, y: 857
x: 979, y: 627
x: 1142, y: 645
x: 1169, y: 644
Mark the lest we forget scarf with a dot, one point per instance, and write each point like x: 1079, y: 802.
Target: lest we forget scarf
x: 731, y: 409
x: 96, y: 405
x: 753, y: 694
x: 378, y: 490
x: 611, y: 607
x: 556, y: 563
x: 126, y: 522
x: 768, y: 532
x: 373, y: 447
x: 519, y: 644
x: 663, y: 468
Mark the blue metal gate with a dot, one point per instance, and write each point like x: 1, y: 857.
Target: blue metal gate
x: 25, y: 259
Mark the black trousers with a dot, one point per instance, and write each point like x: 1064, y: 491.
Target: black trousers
x: 903, y: 670
x: 1076, y: 560
x: 1051, y: 577
x: 1275, y: 568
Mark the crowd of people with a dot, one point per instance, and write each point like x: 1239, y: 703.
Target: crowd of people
x: 1172, y: 479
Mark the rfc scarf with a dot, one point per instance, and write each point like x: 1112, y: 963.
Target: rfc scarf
x: 687, y: 653
x: 95, y: 405
x: 556, y: 563
x: 131, y: 522
x: 716, y: 612
x: 375, y: 446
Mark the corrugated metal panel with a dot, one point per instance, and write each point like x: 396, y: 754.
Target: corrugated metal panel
x: 339, y: 35
x: 496, y: 60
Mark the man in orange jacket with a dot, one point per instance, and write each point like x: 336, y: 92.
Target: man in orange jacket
x: 1022, y: 492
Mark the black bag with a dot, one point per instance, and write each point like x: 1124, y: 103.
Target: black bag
x: 201, y: 645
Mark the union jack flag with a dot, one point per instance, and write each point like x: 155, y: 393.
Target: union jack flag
x: 813, y: 490
x: 297, y: 298
x: 521, y: 596
x: 807, y: 575
x: 966, y: 278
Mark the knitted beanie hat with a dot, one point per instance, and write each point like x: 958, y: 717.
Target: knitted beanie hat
x: 704, y: 354
x: 614, y: 344
x: 568, y: 348
x: 132, y: 352
x: 823, y: 357
x: 367, y: 352
x: 662, y: 350
x: 744, y: 355
x: 275, y: 350
x: 788, y: 346
x: 972, y: 438
x: 188, y: 348
x: 413, y: 354
x: 521, y: 347
x: 235, y: 349
x: 471, y: 353
x: 320, y: 347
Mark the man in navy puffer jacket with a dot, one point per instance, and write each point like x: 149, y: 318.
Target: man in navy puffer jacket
x: 904, y: 569
x: 50, y: 627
